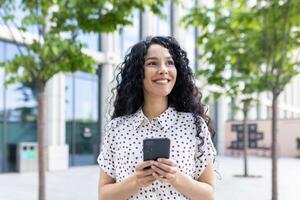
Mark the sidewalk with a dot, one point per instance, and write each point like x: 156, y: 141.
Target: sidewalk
x: 80, y: 183
x: 233, y: 188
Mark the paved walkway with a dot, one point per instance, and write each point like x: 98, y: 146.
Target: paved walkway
x: 233, y: 188
x: 80, y: 183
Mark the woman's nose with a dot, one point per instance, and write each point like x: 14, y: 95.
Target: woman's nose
x: 163, y: 69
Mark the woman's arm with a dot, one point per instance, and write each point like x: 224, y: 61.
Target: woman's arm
x: 109, y: 190
x: 201, y: 189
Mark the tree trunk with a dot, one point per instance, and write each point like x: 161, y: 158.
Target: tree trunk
x: 245, y: 134
x: 274, y: 145
x: 41, y: 141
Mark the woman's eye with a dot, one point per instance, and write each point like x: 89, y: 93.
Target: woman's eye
x: 152, y: 63
x: 170, y: 62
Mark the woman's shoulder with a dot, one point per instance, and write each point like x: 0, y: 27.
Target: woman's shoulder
x: 121, y: 121
x: 116, y: 122
x: 189, y: 115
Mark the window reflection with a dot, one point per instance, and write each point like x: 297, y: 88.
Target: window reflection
x: 164, y: 24
x: 1, y: 112
x: 89, y: 40
x: 86, y: 93
x: 19, y: 15
x: 130, y: 35
x: 189, y: 41
x: 81, y: 117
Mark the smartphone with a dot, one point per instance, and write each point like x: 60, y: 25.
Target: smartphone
x: 154, y: 148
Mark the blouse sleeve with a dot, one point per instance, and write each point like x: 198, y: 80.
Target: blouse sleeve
x: 106, y: 158
x: 205, y: 150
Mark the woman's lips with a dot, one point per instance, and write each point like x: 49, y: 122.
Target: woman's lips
x: 161, y: 81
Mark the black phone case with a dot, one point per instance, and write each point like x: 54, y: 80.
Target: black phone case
x: 154, y: 148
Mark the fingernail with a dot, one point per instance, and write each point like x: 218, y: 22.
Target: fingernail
x: 159, y: 159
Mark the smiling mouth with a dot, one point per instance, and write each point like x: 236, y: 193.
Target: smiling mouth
x: 162, y: 81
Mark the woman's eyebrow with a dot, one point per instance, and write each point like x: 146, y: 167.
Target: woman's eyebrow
x: 152, y: 58
x: 155, y: 58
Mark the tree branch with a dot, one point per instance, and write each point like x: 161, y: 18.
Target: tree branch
x: 12, y: 34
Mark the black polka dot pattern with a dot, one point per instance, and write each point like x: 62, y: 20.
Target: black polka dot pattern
x: 122, y: 149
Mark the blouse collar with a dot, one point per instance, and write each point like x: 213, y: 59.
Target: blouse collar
x: 165, y: 119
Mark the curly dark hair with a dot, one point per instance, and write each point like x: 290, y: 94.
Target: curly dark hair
x: 184, y: 97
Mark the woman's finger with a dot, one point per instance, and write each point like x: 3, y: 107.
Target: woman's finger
x: 149, y: 178
x: 143, y: 165
x: 159, y: 171
x: 158, y: 177
x: 167, y: 161
x: 144, y: 173
x: 165, y: 167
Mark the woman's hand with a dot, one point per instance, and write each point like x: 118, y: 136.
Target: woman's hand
x: 143, y: 177
x: 165, y: 170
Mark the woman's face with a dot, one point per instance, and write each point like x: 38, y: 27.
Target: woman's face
x: 159, y: 70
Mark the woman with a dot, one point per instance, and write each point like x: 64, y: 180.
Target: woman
x: 156, y: 98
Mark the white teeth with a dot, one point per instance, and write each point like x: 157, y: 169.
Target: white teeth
x: 161, y: 81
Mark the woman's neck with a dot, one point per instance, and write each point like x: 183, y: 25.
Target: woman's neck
x: 153, y: 107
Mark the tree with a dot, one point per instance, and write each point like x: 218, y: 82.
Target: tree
x: 47, y: 55
x: 265, y: 33
x: 49, y: 52
x: 231, y: 62
x: 280, y: 38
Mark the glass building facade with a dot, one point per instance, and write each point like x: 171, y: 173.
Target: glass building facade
x: 18, y: 113
x: 82, y: 118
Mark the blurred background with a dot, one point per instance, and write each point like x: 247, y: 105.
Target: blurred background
x: 245, y: 56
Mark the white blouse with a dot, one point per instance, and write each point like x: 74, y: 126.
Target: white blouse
x: 122, y: 149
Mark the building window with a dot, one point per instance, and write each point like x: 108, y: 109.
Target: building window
x: 269, y: 95
x: 285, y: 113
x: 189, y: 39
x: 285, y: 97
x: 18, y: 113
x: 164, y: 24
x: 89, y: 40
x: 129, y: 35
x: 269, y: 112
x: 19, y: 15
x: 258, y: 111
x: 231, y: 111
x: 82, y: 118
